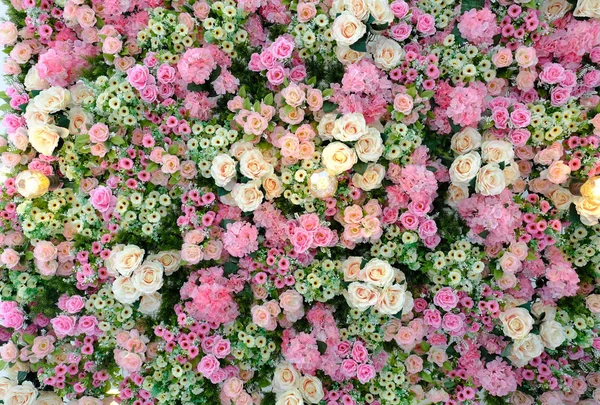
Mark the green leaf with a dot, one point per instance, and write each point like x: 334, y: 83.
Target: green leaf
x: 360, y: 45
x: 21, y: 375
x: 247, y: 104
x: 322, y: 346
x: 173, y: 149
x: 468, y: 5
x: 427, y: 94
x: 81, y: 141
x: 327, y: 92
x: 426, y: 376
x: 230, y: 268
x: 360, y: 167
x: 221, y: 191
x: 63, y: 121
x: 151, y: 167
x: 379, y: 27
x: 28, y: 338
x: 195, y: 87
x: 268, y: 100
x: 215, y: 74
x: 117, y: 140
x: 328, y: 106
x: 225, y: 222
x: 242, y: 92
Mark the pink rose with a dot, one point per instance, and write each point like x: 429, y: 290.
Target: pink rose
x: 63, y: 325
x: 208, y: 365
x: 365, y: 373
x: 446, y: 299
x: 426, y: 24
x: 101, y: 198
x: 98, y: 133
x: 414, y: 364
x: 138, y: 76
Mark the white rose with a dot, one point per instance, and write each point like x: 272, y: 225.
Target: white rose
x: 247, y: 196
x: 125, y: 259
x: 465, y: 168
x: 24, y: 394
x: 9, y: 33
x: 380, y: 11
x: 223, y: 171
x: 35, y: 117
x: 552, y: 334
x: 347, y: 55
x: 170, y: 260
x: 5, y: 385
x: 554, y: 9
x: 456, y: 193
x: 357, y: 7
x: 79, y: 120
x: 511, y: 173
x: 387, y: 53
x: 52, y: 100
x: 377, y: 272
x: 124, y: 290
x: 33, y: 81
x: 285, y: 377
x: 392, y: 299
x: 148, y: 278
x: 526, y: 349
x: 490, y: 180
x: 369, y: 147
x: 311, y: 389
x: 253, y: 165
x: 466, y: 140
x: 350, y: 127
x: 326, y: 125
x: 48, y: 398
x: 587, y: 8
x: 351, y: 268
x: 150, y: 304
x: 347, y: 29
x: 44, y: 138
x: 291, y: 397
x: 497, y: 151
x: 371, y: 178
x: 517, y: 322
x: 338, y: 157
x: 362, y: 296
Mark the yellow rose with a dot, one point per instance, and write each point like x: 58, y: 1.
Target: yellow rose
x: 588, y: 210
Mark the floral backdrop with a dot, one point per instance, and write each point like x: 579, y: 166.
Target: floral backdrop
x: 287, y: 202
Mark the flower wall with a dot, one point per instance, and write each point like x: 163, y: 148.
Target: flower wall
x: 332, y: 202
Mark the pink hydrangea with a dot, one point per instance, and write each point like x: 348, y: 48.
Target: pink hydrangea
x: 196, y: 65
x: 479, y: 26
x: 240, y: 239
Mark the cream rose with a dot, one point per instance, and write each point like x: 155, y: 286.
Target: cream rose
x: 44, y: 138
x: 392, y: 300
x: 552, y: 334
x: 465, y: 168
x: 362, y: 296
x: 516, y: 322
x: 588, y: 210
x: 457, y: 192
x: 520, y: 398
x: 465, y: 141
x: 5, y: 385
x: 561, y: 198
x: 311, y: 389
x: 170, y: 260
x: 490, y: 180
x: 380, y: 10
x: 285, y: 377
x: 148, y: 278
x: 371, y: 178
x: 557, y: 172
x: 48, y: 398
x: 587, y: 8
x: 24, y: 394
x: 497, y: 151
x: 346, y: 55
x: 377, y: 272
x: 253, y: 165
x: 272, y: 185
x: 369, y: 147
x: 124, y: 260
x: 554, y: 9
x: 33, y: 81
x: 351, y: 268
x: 247, y: 196
x: 526, y: 349
x: 124, y: 290
x: 338, y: 157
x: 291, y: 397
x: 325, y: 127
x: 150, y: 304
x: 387, y: 53
x: 592, y: 302
x: 223, y: 170
x: 347, y: 29
x: 350, y: 127
x: 52, y: 100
